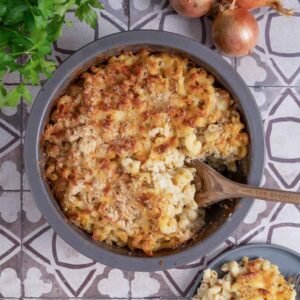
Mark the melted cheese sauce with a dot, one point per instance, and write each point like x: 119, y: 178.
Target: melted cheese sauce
x: 117, y: 140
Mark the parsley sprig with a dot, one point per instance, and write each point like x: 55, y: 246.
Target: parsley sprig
x: 28, y: 29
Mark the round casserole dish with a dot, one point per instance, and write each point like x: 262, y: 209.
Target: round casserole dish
x: 96, y: 52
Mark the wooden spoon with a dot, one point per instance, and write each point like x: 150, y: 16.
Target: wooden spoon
x: 213, y: 187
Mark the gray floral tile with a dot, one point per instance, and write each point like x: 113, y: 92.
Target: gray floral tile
x: 24, y: 182
x: 277, y: 228
x: 10, y: 211
x: 10, y: 169
x: 282, y: 127
x: 276, y: 58
x: 108, y: 24
x: 10, y: 201
x: 34, y: 283
x: 10, y: 151
x: 10, y: 283
x: 50, y: 267
x: 26, y: 107
x: 150, y: 285
x: 102, y: 285
x: 47, y: 268
x: 31, y: 215
x: 75, y: 36
x: 264, y: 97
x: 12, y: 78
x: 143, y: 11
x: 280, y: 110
x: 174, y: 282
x: 10, y: 245
x: 37, y: 280
x: 114, y: 18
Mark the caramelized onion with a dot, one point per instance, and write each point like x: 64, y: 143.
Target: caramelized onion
x: 275, y: 4
x: 192, y: 8
x: 235, y: 31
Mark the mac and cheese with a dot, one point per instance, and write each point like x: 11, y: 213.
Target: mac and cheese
x: 256, y: 279
x: 117, y: 141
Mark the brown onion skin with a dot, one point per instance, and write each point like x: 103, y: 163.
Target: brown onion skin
x: 250, y: 4
x: 235, y: 32
x: 274, y: 4
x: 192, y: 8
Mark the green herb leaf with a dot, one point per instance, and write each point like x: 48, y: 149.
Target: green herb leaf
x: 26, y: 94
x: 28, y: 29
x: 86, y: 12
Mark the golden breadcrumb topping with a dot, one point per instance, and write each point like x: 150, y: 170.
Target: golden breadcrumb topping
x: 255, y: 279
x: 117, y: 141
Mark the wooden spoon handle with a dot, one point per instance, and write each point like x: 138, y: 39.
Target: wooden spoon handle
x: 242, y: 190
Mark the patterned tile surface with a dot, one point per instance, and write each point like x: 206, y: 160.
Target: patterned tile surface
x: 35, y: 263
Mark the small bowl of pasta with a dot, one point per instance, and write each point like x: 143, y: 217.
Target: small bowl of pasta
x: 108, y: 142
x: 250, y: 272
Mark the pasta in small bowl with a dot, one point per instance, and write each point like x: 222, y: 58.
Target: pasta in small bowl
x: 235, y: 277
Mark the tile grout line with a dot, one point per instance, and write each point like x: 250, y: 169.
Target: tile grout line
x: 128, y: 23
x: 21, y: 196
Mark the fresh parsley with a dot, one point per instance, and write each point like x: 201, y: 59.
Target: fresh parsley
x: 28, y: 29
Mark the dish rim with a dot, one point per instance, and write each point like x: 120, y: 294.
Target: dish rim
x: 210, y: 61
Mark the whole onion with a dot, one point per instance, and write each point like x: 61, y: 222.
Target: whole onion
x: 235, y: 31
x: 275, y: 4
x: 192, y: 8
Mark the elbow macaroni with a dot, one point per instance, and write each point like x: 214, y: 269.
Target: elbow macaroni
x: 117, y: 142
x: 256, y: 279
x: 131, y: 166
x: 193, y: 146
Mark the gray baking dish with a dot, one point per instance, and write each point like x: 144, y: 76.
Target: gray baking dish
x: 220, y: 226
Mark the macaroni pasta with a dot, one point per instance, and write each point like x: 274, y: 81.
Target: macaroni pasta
x: 256, y: 279
x: 116, y: 144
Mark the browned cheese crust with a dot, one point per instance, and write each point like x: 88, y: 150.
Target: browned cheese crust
x: 255, y: 279
x: 117, y: 140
